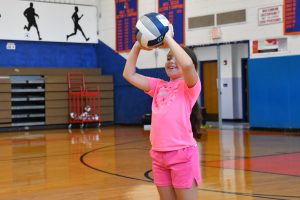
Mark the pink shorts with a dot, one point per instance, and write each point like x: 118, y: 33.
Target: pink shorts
x: 177, y: 168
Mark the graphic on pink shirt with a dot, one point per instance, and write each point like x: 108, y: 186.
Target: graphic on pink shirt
x: 171, y: 108
x: 166, y: 94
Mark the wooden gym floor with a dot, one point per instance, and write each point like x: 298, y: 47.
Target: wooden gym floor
x: 114, y: 163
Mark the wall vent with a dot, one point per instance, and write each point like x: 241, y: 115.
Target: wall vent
x: 201, y: 21
x: 231, y: 17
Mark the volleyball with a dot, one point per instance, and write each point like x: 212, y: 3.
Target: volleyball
x: 151, y: 29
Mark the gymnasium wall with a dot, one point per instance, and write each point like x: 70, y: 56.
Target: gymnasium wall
x: 259, y: 96
x: 131, y: 104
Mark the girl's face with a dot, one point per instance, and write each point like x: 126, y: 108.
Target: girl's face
x: 171, y: 67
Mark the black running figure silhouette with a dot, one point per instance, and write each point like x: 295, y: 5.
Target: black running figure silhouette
x: 30, y: 14
x: 76, y: 19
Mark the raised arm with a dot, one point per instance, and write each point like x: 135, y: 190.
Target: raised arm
x: 129, y: 72
x: 183, y: 61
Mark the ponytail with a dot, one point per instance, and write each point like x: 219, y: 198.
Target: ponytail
x: 196, y: 117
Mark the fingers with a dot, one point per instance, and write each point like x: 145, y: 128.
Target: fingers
x: 169, y: 34
x: 145, y: 48
x: 141, y: 47
x: 171, y: 31
x: 164, y: 45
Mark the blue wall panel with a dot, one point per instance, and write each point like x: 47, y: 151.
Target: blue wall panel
x: 48, y: 54
x: 274, y: 92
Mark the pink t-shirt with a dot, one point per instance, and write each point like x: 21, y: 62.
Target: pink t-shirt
x: 171, y: 109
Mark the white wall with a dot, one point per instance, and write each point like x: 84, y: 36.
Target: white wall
x: 54, y: 21
x: 239, y: 31
x: 226, y: 82
x: 77, y: 2
x: 234, y: 32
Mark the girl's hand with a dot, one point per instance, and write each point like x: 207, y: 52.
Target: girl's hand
x: 138, y: 45
x: 171, y: 31
x: 169, y: 34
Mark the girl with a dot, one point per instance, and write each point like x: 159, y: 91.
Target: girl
x: 174, y: 152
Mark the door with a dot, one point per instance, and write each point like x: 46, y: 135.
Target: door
x: 210, y: 91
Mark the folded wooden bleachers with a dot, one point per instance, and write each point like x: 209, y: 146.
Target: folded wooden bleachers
x: 56, y: 92
x: 5, y: 101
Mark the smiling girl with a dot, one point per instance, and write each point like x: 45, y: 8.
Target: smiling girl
x: 175, y: 120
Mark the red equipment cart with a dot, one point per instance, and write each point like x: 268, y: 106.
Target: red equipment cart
x: 84, y: 101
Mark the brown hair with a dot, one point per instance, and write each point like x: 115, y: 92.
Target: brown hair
x: 196, y: 117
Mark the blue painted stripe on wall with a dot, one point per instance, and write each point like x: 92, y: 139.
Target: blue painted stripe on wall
x: 48, y: 54
x: 274, y: 92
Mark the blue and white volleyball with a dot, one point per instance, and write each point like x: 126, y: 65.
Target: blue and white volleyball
x: 151, y: 30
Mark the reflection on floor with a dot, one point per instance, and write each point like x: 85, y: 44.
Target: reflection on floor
x: 228, y: 125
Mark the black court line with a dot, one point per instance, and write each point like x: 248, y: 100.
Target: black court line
x: 39, y: 157
x: 146, y: 174
x: 150, y: 180
x: 107, y: 172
